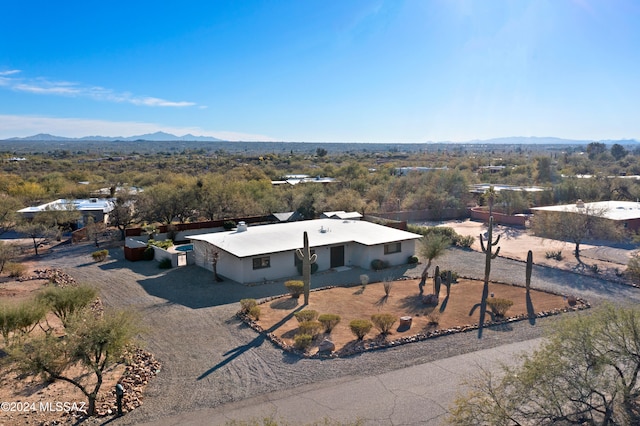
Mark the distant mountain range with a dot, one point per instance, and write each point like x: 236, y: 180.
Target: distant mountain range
x: 157, y: 136
x: 168, y: 137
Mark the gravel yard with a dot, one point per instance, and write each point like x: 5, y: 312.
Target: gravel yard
x: 211, y: 358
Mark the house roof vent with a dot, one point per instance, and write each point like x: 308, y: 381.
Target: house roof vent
x: 242, y: 226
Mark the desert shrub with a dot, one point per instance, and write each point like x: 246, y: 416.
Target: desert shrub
x: 247, y: 304
x: 364, y: 280
x: 165, y: 244
x: 412, y: 260
x: 254, y: 312
x: 15, y: 270
x: 329, y: 321
x: 383, y: 322
x: 572, y: 300
x: 553, y: 254
x: 306, y: 315
x: 387, y: 285
x: 228, y: 225
x: 165, y: 264
x: 295, y: 287
x: 433, y: 318
x: 100, y: 255
x: 148, y: 253
x: 454, y: 276
x: 633, y: 267
x: 499, y: 306
x: 456, y: 239
x: 65, y: 302
x: 378, y: 264
x: 311, y: 328
x: 302, y: 341
x: 23, y: 317
x: 360, y: 327
x: 430, y: 299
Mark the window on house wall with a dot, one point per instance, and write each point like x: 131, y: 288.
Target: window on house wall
x: 392, y: 248
x: 261, y: 262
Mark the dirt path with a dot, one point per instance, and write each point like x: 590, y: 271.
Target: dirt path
x: 210, y: 358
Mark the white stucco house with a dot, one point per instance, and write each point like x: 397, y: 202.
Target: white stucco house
x: 267, y: 252
x: 98, y: 208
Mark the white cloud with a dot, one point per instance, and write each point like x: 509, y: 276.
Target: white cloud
x: 21, y: 126
x: 42, y: 86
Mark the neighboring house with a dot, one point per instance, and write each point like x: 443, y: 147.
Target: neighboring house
x: 267, y: 252
x: 97, y: 207
x: 296, y: 179
x: 625, y: 212
x: 341, y: 215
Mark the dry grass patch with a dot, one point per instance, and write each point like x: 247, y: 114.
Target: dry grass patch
x: 353, y: 303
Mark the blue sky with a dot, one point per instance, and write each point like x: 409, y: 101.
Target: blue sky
x: 330, y: 70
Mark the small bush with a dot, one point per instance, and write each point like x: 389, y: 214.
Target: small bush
x: 379, y: 264
x: 228, y: 225
x: 572, y: 300
x: 553, y: 254
x: 148, y: 253
x: 15, y: 270
x: 383, y: 322
x: 464, y: 241
x: 311, y: 328
x: 165, y: 244
x: 247, y: 304
x: 306, y: 315
x: 364, y: 280
x: 412, y: 260
x: 387, y: 285
x: 360, y: 327
x: 100, y: 255
x: 454, y: 276
x: 329, y: 321
x: 254, y: 312
x: 302, y: 341
x: 295, y: 287
x: 165, y: 264
x: 499, y: 306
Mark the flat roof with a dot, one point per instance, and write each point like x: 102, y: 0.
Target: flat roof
x: 91, y: 204
x: 613, y: 210
x: 273, y: 238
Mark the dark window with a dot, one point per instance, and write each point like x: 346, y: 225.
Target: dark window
x: 261, y: 262
x: 392, y: 248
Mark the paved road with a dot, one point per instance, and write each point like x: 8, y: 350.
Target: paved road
x: 417, y: 395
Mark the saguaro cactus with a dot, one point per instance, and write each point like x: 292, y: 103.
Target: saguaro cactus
x: 489, y: 256
x: 437, y: 281
x: 529, y: 269
x: 304, y: 254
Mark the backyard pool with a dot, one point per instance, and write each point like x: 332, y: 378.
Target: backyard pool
x: 186, y: 247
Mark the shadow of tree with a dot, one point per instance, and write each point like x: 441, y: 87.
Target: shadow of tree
x: 256, y: 342
x: 413, y: 304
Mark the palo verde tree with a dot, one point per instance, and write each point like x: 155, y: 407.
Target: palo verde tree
x: 93, y: 344
x: 432, y: 246
x: 587, y: 372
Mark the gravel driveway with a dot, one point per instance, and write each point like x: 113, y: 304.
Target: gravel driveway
x: 210, y: 358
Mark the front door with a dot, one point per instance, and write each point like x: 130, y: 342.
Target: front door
x: 337, y: 256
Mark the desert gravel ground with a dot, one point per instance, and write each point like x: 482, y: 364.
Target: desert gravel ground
x: 211, y: 358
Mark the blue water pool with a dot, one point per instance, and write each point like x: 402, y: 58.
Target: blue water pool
x: 186, y: 247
